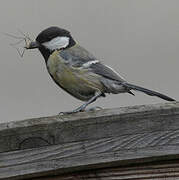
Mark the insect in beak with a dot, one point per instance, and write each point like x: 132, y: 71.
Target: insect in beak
x: 32, y: 45
x: 29, y: 43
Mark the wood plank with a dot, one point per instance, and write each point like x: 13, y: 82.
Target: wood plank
x: 105, y: 123
x: 42, y: 162
x: 160, y: 171
x: 87, y: 141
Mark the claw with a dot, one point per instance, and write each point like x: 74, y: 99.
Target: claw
x: 93, y: 109
x: 83, y: 106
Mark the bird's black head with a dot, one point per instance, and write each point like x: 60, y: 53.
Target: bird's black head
x: 51, y: 33
x: 51, y: 39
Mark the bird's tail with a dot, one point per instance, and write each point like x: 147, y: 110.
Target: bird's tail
x: 147, y: 91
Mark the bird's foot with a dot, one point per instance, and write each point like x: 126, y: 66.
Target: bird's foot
x: 81, y: 109
x: 69, y: 112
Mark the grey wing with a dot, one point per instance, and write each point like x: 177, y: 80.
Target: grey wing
x: 111, y: 80
x: 106, y: 72
x: 76, y: 56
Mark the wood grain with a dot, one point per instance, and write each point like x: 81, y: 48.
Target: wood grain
x: 88, y: 141
x: 105, y: 123
x: 162, y: 171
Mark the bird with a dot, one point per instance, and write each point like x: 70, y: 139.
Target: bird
x: 78, y: 72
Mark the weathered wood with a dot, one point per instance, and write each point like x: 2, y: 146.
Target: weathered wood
x: 160, y: 171
x: 105, y: 123
x: 45, y: 161
x: 101, y: 139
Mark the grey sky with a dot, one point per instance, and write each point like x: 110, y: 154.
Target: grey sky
x: 138, y: 38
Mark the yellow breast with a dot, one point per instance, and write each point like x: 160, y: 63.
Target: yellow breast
x: 78, y: 82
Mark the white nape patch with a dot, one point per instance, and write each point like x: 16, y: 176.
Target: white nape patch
x: 89, y: 63
x: 57, y: 43
x: 115, y: 72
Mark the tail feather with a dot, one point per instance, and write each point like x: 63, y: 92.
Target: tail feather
x: 148, y: 92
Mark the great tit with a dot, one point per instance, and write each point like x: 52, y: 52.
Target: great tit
x: 77, y: 71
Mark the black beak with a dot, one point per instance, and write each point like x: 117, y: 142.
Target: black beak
x: 32, y: 45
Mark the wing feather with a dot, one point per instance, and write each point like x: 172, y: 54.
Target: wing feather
x: 76, y: 56
x: 79, y: 57
x: 106, y: 72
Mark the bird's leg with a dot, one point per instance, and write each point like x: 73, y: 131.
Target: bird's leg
x: 83, y: 106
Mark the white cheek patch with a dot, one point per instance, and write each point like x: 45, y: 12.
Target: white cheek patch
x: 57, y: 43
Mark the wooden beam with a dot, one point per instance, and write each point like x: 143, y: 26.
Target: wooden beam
x: 68, y: 143
x: 166, y: 170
